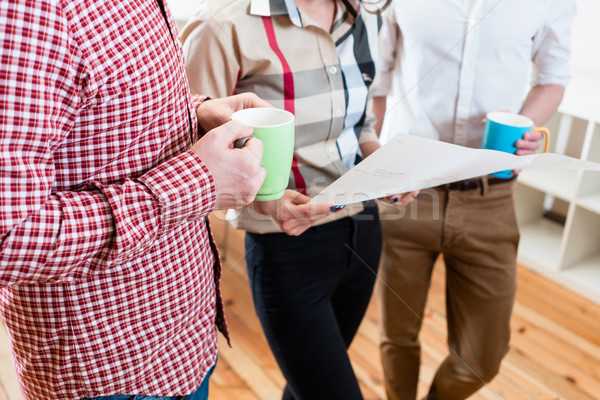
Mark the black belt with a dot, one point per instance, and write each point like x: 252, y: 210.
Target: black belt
x: 476, y: 183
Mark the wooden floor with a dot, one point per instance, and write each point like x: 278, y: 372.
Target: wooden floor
x: 555, y: 345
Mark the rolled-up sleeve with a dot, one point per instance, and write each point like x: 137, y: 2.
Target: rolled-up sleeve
x: 389, y: 37
x: 552, y: 45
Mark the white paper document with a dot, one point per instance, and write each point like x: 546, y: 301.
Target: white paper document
x: 408, y: 163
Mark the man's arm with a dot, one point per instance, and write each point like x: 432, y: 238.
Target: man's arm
x: 551, y: 54
x: 389, y: 40
x: 389, y: 51
x: 379, y: 107
x: 541, y: 103
x: 49, y: 234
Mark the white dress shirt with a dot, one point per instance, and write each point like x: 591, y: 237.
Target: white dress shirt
x: 449, y: 62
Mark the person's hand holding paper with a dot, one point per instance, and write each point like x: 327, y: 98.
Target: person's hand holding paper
x: 408, y: 163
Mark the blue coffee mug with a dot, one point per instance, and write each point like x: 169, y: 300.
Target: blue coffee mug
x: 503, y: 129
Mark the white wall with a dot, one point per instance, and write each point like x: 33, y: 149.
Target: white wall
x: 585, y: 47
x: 585, y: 44
x: 184, y: 9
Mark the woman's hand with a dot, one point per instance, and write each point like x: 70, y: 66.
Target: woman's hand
x: 292, y: 213
x: 403, y: 199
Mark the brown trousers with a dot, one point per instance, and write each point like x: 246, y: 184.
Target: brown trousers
x: 476, y: 231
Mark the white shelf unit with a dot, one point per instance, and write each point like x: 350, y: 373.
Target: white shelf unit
x: 559, y: 211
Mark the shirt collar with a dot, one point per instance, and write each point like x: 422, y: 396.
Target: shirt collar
x: 271, y: 8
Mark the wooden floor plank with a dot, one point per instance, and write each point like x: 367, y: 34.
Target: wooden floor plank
x: 244, y: 364
x: 564, y: 332
x: 555, y: 362
x: 554, y: 344
x: 231, y: 393
x: 8, y: 378
x: 225, y: 376
x: 567, y: 309
x: 554, y: 351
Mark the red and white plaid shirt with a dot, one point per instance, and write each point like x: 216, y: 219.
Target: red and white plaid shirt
x: 107, y: 266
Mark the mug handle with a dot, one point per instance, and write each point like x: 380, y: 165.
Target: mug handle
x: 546, y: 133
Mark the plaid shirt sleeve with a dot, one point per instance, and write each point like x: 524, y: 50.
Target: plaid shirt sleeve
x: 49, y: 235
x: 198, y: 99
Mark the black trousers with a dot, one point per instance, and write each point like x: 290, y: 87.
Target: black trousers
x: 310, y: 293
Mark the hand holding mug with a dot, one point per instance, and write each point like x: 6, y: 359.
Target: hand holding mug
x: 213, y: 113
x: 512, y: 133
x: 530, y: 143
x: 236, y: 172
x: 275, y: 129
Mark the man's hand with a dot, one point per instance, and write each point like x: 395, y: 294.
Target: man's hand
x: 216, y: 112
x: 526, y: 145
x: 292, y: 213
x: 529, y: 143
x: 237, y: 172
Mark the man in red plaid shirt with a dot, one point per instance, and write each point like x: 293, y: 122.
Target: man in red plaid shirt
x: 109, y: 276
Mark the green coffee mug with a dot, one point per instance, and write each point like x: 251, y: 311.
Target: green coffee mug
x: 275, y: 129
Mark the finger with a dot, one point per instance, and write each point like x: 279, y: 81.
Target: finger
x: 315, y: 211
x: 250, y: 100
x: 235, y: 130
x: 262, y: 174
x: 308, y: 212
x: 298, y: 198
x: 255, y: 147
x: 299, y: 228
x: 534, y: 136
x: 406, y: 198
x: 297, y: 231
x: 527, y: 144
x: 524, y: 152
x: 404, y: 201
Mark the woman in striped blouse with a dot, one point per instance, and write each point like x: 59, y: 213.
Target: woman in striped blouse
x: 311, y: 273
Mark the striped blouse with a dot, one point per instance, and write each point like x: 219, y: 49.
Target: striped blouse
x: 275, y: 50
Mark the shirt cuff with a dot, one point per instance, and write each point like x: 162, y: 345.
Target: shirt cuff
x: 381, y: 85
x: 184, y: 187
x: 368, y: 135
x: 198, y: 99
x: 551, y: 79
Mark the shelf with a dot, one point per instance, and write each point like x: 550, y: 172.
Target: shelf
x: 557, y: 182
x: 590, y: 203
x: 584, y: 278
x: 568, y: 254
x: 540, y: 244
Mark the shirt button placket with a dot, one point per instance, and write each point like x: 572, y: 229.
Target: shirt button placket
x: 467, y: 76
